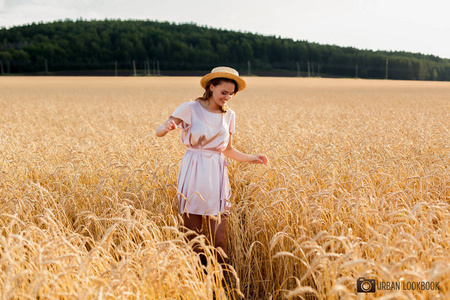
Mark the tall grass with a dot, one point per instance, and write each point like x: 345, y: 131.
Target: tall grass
x: 358, y: 185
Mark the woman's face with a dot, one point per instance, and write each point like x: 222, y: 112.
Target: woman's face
x: 222, y: 92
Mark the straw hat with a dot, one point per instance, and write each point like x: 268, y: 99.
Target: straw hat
x: 223, y: 72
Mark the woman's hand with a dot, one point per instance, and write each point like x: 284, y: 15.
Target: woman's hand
x: 260, y: 159
x: 171, y: 125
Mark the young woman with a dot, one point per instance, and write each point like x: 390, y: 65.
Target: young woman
x: 207, y: 126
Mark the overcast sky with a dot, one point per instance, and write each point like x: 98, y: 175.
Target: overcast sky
x: 409, y: 25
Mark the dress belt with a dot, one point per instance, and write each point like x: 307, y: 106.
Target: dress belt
x: 224, y: 161
x: 204, y: 150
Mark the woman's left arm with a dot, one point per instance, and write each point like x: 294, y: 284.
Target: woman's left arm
x: 232, y: 153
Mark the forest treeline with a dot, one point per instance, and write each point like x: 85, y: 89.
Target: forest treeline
x: 99, y: 45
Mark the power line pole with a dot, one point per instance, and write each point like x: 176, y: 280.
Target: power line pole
x: 134, y: 67
x: 309, y: 72
x: 298, y: 70
x: 248, y: 64
x: 387, y: 67
x: 115, y: 68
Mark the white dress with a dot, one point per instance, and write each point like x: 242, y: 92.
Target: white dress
x: 203, y: 176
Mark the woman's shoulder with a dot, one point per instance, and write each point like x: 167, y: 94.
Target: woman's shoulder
x: 230, y: 112
x: 230, y: 115
x: 183, y: 111
x: 185, y: 105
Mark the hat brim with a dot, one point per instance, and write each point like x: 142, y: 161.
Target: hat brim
x: 208, y: 77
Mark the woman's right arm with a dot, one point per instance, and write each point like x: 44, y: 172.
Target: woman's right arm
x: 169, y: 125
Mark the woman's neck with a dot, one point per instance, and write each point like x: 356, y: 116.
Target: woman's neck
x: 210, y: 105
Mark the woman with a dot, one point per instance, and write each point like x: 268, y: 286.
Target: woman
x: 207, y: 125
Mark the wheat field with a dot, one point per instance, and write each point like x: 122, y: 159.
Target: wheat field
x: 358, y: 185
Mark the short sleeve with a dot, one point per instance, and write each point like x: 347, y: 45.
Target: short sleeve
x: 232, y: 128
x: 184, y: 113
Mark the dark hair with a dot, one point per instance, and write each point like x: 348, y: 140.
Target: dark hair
x: 216, y: 82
